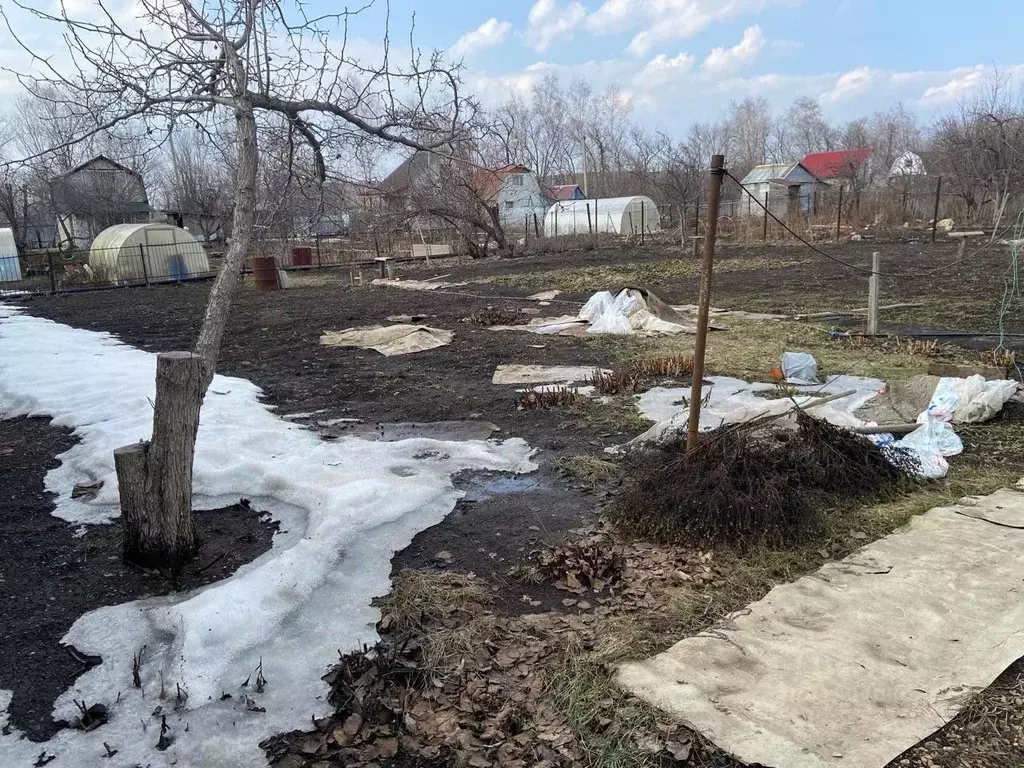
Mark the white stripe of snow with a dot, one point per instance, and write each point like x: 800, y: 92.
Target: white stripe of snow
x: 347, y: 506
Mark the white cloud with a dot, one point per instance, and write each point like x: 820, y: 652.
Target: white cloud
x: 549, y: 22
x: 489, y: 34
x: 664, y: 21
x: 613, y: 16
x: 851, y: 84
x: 722, y: 60
x: 956, y: 87
x: 662, y: 69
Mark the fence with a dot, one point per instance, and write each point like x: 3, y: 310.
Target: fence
x: 51, y: 271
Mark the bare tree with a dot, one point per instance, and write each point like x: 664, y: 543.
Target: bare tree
x: 806, y: 129
x: 244, y: 60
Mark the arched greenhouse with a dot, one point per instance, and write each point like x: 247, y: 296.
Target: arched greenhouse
x: 155, y: 253
x: 614, y: 215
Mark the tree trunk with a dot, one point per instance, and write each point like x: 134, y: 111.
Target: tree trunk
x: 155, y: 479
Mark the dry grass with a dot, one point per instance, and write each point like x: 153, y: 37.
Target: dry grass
x: 749, y: 350
x: 664, y: 365
x: 646, y: 273
x: 548, y: 398
x: 591, y: 471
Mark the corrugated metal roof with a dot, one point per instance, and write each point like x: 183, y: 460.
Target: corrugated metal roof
x: 833, y: 165
x: 768, y: 172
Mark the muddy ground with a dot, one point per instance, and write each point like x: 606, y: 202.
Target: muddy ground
x: 272, y: 340
x: 50, y: 574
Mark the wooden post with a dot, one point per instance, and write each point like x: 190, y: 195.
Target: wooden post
x: 704, y: 302
x: 536, y: 227
x: 556, y: 219
x: 839, y: 213
x: 526, y: 231
x: 935, y: 213
x: 590, y: 224
x: 155, y: 479
x: 873, y: 295
x: 764, y: 233
x: 145, y: 272
x: 50, y: 269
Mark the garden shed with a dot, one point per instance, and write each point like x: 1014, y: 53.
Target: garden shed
x: 10, y: 269
x: 615, y: 215
x: 154, y: 253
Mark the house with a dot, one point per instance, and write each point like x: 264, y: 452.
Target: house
x: 840, y: 167
x: 97, y: 194
x: 780, y: 185
x: 562, y: 192
x: 514, y: 189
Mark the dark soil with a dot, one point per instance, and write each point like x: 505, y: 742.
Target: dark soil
x: 50, y: 575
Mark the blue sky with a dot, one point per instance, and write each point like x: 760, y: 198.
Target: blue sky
x: 678, y: 61
x: 684, y: 60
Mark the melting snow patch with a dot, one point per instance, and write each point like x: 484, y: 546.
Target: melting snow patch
x: 346, y: 506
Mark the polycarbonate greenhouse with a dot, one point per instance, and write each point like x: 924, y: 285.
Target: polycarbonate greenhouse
x: 153, y: 253
x: 614, y: 215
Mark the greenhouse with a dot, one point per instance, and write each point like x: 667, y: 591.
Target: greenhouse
x: 10, y: 269
x: 153, y: 253
x: 615, y: 215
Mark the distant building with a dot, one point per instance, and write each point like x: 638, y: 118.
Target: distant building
x: 562, y: 192
x: 514, y: 189
x: 908, y: 164
x: 780, y: 185
x: 839, y: 167
x: 96, y: 195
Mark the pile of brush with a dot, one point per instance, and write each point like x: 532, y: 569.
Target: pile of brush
x: 764, y: 483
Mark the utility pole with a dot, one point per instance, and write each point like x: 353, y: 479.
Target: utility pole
x: 704, y: 302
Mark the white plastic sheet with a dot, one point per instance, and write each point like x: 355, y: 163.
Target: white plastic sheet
x: 799, y: 368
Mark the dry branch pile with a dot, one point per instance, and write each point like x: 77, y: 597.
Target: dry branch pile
x: 766, y: 484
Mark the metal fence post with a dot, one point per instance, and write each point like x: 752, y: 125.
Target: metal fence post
x: 935, y: 214
x: 590, y: 224
x: 642, y: 222
x: 145, y: 272
x: 873, y: 294
x: 839, y: 212
x: 526, y: 231
x: 764, y: 233
x: 49, y: 268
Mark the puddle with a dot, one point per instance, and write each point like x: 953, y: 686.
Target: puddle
x: 483, y: 487
x: 389, y: 433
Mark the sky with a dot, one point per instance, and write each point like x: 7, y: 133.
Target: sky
x: 680, y: 61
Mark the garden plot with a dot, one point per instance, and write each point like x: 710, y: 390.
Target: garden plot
x: 345, y: 507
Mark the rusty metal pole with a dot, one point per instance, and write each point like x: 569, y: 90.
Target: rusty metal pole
x: 839, y: 213
x: 935, y: 214
x: 704, y: 302
x: 764, y: 231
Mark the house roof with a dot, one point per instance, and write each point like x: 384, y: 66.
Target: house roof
x: 778, y: 173
x: 87, y: 165
x: 839, y: 164
x: 564, y: 191
x: 487, y: 183
x: 406, y: 173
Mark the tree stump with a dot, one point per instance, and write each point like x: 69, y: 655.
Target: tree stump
x: 155, y: 478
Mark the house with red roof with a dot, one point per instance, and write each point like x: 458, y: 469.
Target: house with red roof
x: 514, y: 189
x: 560, y: 193
x: 839, y: 167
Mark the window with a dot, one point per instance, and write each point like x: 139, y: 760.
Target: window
x: 509, y: 205
x: 517, y: 180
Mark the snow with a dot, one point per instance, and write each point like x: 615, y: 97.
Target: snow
x: 345, y: 506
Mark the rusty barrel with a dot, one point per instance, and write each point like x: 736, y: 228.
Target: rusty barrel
x: 264, y: 272
x: 302, y: 256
